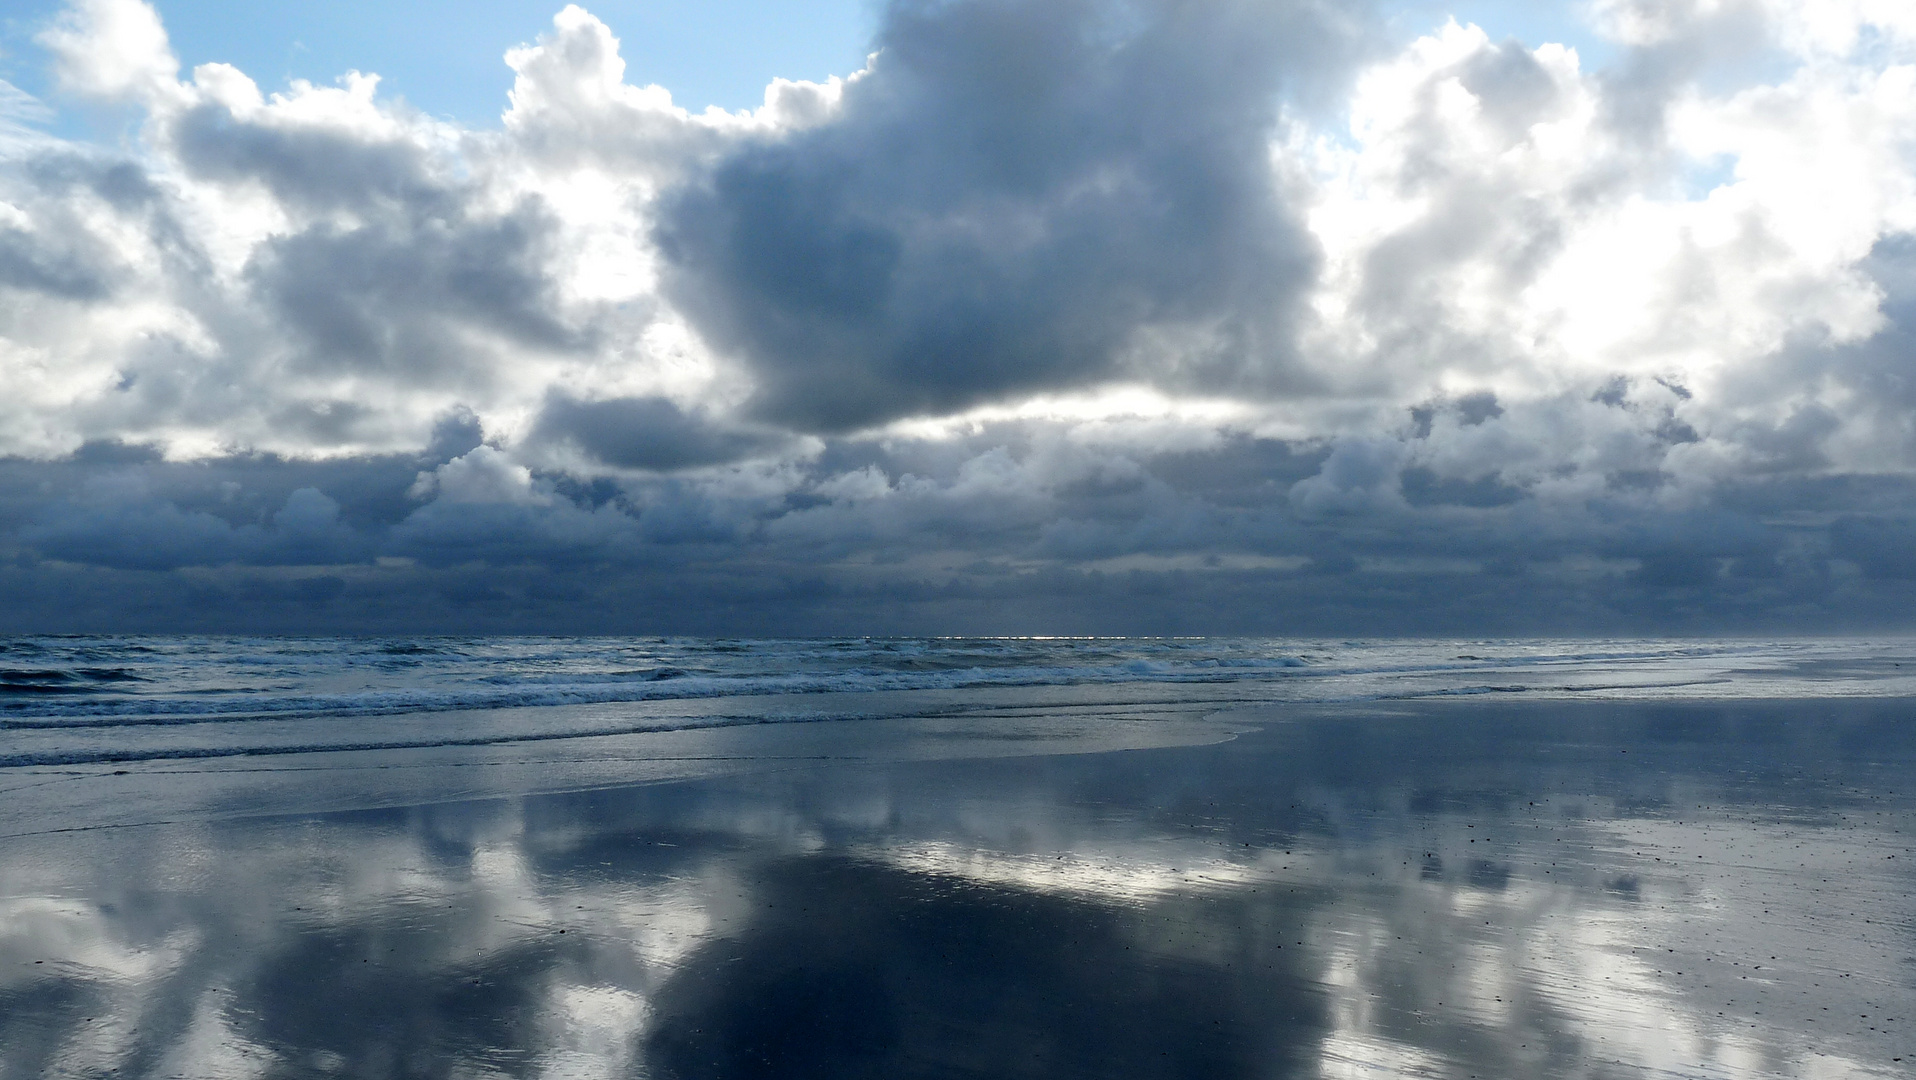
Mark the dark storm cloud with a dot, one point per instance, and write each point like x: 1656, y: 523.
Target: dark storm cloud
x: 1422, y: 487
x: 1882, y: 548
x: 117, y: 504
x: 647, y: 433
x: 1013, y: 199
x: 1026, y: 528
x: 398, y: 294
x: 557, y: 533
x: 115, y: 523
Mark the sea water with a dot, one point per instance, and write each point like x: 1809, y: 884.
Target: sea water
x: 72, y: 700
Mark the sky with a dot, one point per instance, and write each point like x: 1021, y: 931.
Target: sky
x: 959, y: 316
x: 444, y: 57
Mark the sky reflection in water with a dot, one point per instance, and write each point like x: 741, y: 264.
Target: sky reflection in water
x: 1448, y: 889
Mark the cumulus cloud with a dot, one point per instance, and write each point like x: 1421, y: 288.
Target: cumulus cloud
x: 116, y: 520
x: 1104, y: 314
x: 1013, y: 198
x: 112, y: 49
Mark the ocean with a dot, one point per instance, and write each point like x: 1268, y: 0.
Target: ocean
x: 76, y: 700
x: 956, y: 857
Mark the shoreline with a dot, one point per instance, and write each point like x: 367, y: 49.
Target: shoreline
x: 238, y: 782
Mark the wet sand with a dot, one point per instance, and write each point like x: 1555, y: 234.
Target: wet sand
x: 1451, y: 889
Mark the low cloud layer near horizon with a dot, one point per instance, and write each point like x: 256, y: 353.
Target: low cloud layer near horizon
x: 1082, y: 316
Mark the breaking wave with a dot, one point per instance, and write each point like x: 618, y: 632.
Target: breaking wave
x: 96, y: 700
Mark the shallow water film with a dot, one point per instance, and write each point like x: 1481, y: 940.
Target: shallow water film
x: 1458, y: 888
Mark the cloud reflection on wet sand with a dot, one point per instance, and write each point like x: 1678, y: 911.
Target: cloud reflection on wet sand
x: 1445, y: 890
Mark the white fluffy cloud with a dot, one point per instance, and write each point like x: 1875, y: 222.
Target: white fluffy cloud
x: 988, y: 303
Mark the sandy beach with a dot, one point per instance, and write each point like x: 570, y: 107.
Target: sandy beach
x: 1448, y: 889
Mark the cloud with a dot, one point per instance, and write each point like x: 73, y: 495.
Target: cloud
x: 1092, y: 315
x: 1012, y: 199
x: 111, y: 49
x: 647, y: 433
x: 117, y: 521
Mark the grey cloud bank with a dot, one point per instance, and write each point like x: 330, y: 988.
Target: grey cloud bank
x: 1079, y: 317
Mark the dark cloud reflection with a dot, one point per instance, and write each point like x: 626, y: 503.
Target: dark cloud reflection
x: 854, y: 970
